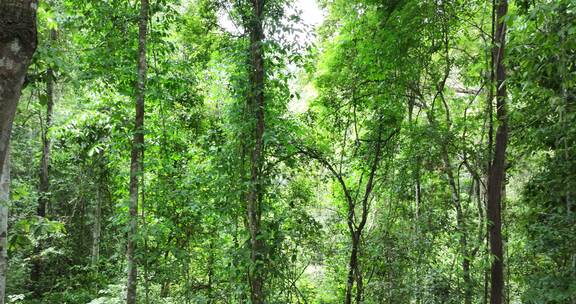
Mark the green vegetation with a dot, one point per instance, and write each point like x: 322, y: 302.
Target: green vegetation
x: 227, y: 151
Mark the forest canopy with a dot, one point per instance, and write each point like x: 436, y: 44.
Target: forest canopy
x: 287, y: 151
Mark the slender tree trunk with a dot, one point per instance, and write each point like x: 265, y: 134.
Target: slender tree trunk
x: 96, y: 232
x: 498, y: 167
x: 44, y: 188
x: 490, y: 145
x: 136, y: 156
x: 4, y: 201
x: 466, y: 275
x: 165, y: 289
x: 210, y: 287
x: 258, y: 108
x: 460, y: 217
x: 354, y: 272
x: 359, y: 277
x: 352, y: 266
x: 44, y: 178
x: 101, y: 198
x: 461, y: 225
x: 417, y: 199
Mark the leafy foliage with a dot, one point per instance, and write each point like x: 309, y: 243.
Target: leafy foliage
x: 378, y: 134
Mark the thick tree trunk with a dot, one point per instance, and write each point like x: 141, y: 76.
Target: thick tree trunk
x: 255, y: 193
x: 136, y: 156
x: 498, y: 167
x: 4, y: 200
x: 17, y: 45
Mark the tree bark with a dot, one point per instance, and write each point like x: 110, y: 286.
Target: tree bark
x: 461, y: 226
x: 352, y: 267
x: 354, y: 272
x: 44, y: 199
x: 17, y: 45
x: 44, y: 179
x: 96, y: 232
x: 498, y: 168
x: 255, y: 193
x: 136, y: 155
x: 4, y: 201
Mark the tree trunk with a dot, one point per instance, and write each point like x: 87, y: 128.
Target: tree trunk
x: 4, y: 201
x: 352, y: 266
x: 136, y: 155
x: 44, y: 179
x: 498, y: 167
x: 460, y: 217
x: 467, y: 278
x: 354, y: 273
x: 359, y: 285
x: 417, y: 199
x: 258, y: 108
x: 17, y: 45
x: 44, y: 188
x: 461, y: 226
x: 96, y: 232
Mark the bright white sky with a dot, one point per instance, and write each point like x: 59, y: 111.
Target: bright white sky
x: 311, y: 13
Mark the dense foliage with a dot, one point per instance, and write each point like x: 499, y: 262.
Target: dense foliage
x: 287, y: 163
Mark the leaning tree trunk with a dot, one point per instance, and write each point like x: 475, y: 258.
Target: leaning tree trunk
x: 257, y: 105
x: 137, y: 152
x: 498, y: 166
x: 17, y: 46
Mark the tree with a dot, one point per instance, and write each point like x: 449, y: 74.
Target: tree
x: 350, y: 162
x: 17, y: 45
x: 137, y: 155
x: 498, y: 163
x: 257, y: 106
x: 44, y: 172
